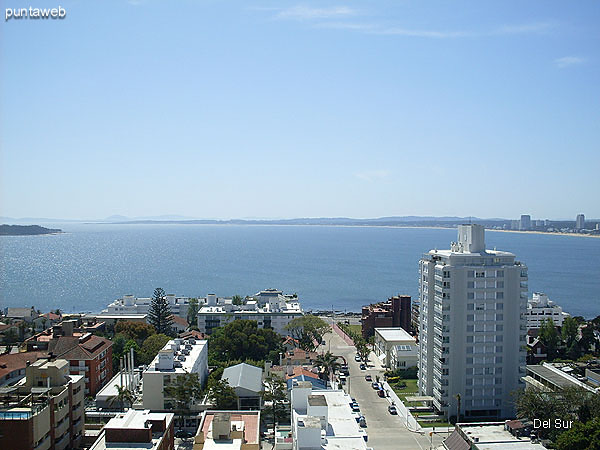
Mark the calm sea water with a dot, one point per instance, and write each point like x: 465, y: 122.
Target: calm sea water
x: 91, y: 265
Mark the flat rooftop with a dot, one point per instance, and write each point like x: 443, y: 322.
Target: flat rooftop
x: 187, y: 361
x: 493, y: 436
x: 394, y: 334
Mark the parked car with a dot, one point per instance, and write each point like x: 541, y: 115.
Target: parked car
x: 375, y: 385
x: 392, y: 409
x: 362, y: 422
x: 355, y: 407
x: 357, y: 358
x: 183, y: 434
x: 381, y: 393
x: 363, y: 366
x: 368, y: 378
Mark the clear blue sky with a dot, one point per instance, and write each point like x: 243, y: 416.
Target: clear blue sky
x: 258, y: 108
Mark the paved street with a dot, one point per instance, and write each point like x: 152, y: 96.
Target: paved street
x: 385, y: 430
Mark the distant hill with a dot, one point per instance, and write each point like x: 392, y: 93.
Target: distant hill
x: 25, y: 230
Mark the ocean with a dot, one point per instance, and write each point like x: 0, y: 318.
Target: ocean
x: 88, y: 266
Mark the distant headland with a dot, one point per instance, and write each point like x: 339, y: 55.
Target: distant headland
x: 26, y: 230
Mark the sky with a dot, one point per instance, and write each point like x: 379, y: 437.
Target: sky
x: 273, y: 109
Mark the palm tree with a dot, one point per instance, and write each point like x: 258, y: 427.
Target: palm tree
x: 328, y: 362
x: 123, y: 395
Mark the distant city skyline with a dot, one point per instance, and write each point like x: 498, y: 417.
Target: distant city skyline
x: 285, y: 109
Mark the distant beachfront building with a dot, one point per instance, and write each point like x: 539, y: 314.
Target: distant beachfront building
x: 177, y: 357
x: 540, y: 308
x: 580, y: 222
x: 270, y: 308
x: 130, y: 305
x: 525, y: 222
x: 396, y: 312
x: 472, y: 334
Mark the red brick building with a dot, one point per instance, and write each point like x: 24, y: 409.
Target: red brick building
x: 88, y: 355
x: 395, y: 312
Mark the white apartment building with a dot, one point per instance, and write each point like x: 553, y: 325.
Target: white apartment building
x: 177, y: 357
x: 322, y: 419
x: 395, y: 348
x: 472, y: 326
x: 269, y: 308
x: 129, y: 304
x: 540, y: 308
x: 580, y: 222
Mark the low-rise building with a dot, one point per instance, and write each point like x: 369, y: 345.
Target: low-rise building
x: 395, y: 348
x: 46, y: 411
x: 89, y: 355
x: 487, y: 436
x: 234, y: 430
x: 540, y: 308
x: 13, y: 365
x: 246, y: 381
x: 130, y: 304
x: 321, y: 419
x: 550, y: 377
x: 269, y: 308
x: 137, y: 429
x: 176, y: 358
x: 395, y: 312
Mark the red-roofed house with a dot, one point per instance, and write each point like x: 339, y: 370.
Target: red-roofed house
x: 180, y: 324
x: 88, y: 355
x: 12, y: 366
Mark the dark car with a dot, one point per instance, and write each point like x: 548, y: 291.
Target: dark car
x: 381, y: 393
x: 375, y: 385
x: 357, y: 358
x: 363, y: 366
x: 392, y: 409
x: 183, y: 434
x: 368, y: 378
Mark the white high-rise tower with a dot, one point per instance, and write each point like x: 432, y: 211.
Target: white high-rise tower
x: 472, y: 326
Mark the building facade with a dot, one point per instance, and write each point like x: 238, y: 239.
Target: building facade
x: 580, y: 222
x: 130, y: 304
x: 89, y: 355
x: 395, y: 312
x: 45, y: 412
x: 176, y: 358
x: 269, y: 308
x: 395, y: 348
x: 525, y: 223
x: 540, y: 308
x: 137, y: 429
x: 472, y: 335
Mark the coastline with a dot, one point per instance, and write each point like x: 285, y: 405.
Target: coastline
x: 552, y: 233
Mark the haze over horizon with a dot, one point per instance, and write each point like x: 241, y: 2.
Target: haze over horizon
x: 288, y: 109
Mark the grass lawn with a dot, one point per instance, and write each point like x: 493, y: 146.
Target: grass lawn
x: 434, y: 424
x: 408, y: 391
x: 355, y: 328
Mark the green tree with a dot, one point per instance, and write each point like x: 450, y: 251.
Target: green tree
x: 221, y: 395
x: 124, y: 396
x: 569, y: 331
x: 574, y: 352
x: 184, y: 391
x: 308, y: 330
x: 582, y: 436
x: 151, y: 347
x: 275, y: 392
x: 159, y: 314
x: 237, y: 300
x: 243, y: 340
x: 328, y: 362
x: 587, y: 338
x: 549, y: 337
x: 192, y: 312
x: 138, y: 331
x: 362, y: 348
